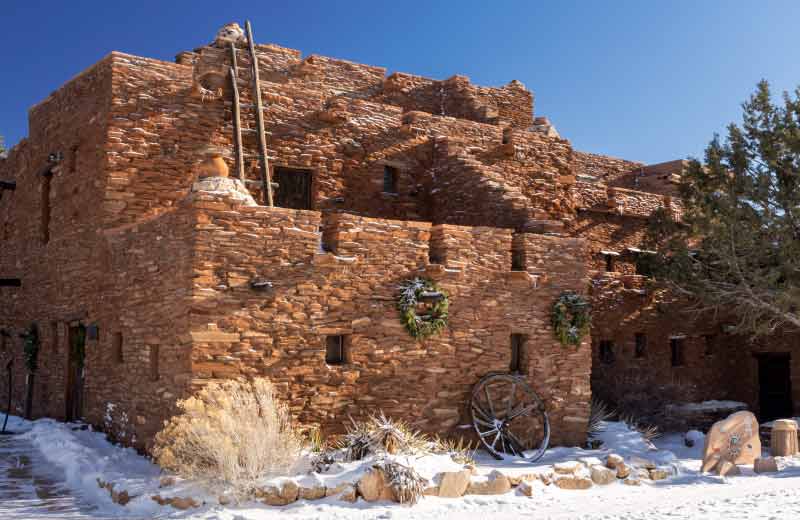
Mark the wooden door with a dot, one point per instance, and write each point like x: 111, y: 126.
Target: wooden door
x: 775, y: 387
x: 294, y: 188
x: 76, y: 358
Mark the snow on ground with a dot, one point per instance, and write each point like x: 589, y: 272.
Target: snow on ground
x: 75, y: 458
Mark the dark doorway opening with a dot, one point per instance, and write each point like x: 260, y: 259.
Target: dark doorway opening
x: 774, y: 387
x: 294, y: 188
x: 75, y: 372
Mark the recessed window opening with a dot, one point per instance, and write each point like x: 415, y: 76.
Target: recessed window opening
x: 390, y: 175
x: 517, y: 260
x: 154, y: 362
x: 609, y: 263
x: 10, y: 282
x: 676, y: 345
x: 517, y: 353
x: 607, y: 351
x: 116, y: 347
x: 710, y: 341
x: 335, y: 350
x: 640, y: 345
x: 46, y: 186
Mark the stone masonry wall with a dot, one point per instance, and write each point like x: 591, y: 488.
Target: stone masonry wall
x: 351, y: 291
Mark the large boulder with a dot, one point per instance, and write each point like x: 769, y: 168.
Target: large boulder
x: 374, y: 486
x: 733, y: 440
x: 602, y: 475
x: 495, y: 483
x: 453, y: 484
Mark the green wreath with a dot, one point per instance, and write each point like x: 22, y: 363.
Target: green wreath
x: 570, y: 318
x: 411, y: 292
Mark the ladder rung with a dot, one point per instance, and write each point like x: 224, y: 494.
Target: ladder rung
x: 255, y: 131
x: 257, y: 156
x: 250, y: 105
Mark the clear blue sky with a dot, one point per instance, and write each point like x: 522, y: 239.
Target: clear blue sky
x: 644, y: 80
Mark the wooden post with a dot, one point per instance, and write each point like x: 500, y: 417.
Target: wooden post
x: 266, y: 181
x: 237, y: 117
x: 783, y: 441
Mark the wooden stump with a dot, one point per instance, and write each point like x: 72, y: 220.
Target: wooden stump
x: 783, y: 442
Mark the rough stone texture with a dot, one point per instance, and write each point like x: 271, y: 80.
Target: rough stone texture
x: 373, y: 486
x: 735, y: 440
x: 602, y: 475
x: 567, y: 468
x: 346, y: 492
x: 573, y: 481
x: 495, y: 483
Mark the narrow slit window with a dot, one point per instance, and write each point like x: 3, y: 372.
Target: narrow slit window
x: 676, y: 350
x: 517, y: 353
x: 640, y: 346
x: 609, y: 263
x: 710, y: 341
x: 606, y: 351
x: 517, y: 260
x: 154, y: 362
x: 46, y: 185
x: 335, y: 350
x: 389, y: 179
x: 116, y: 346
x: 10, y: 282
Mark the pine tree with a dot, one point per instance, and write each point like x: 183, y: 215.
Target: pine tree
x: 736, y: 249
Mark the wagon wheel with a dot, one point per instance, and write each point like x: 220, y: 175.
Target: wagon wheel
x: 509, y: 417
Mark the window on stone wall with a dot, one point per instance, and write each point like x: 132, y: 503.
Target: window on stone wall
x: 610, y: 262
x: 517, y: 260
x: 640, y: 344
x: 335, y: 350
x: 606, y: 351
x: 710, y: 341
x: 518, y: 357
x: 10, y: 282
x: 677, y: 351
x: 154, y: 362
x: 390, y: 175
x: 116, y: 347
x: 45, y: 224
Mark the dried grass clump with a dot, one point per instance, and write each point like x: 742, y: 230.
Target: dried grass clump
x: 408, y: 486
x: 460, y: 451
x: 230, y: 434
x: 649, y: 432
x: 380, y: 435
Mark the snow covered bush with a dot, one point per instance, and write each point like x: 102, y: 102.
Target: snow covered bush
x: 230, y: 434
x: 408, y: 486
x: 380, y: 435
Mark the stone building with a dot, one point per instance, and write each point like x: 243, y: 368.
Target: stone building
x: 145, y: 284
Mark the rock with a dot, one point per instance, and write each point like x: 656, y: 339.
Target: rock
x: 590, y: 461
x: 640, y: 462
x: 453, y: 484
x: 546, y: 478
x: 224, y: 500
x: 279, y: 495
x: 166, y: 481
x: 660, y: 473
x: 495, y: 483
x: 734, y: 439
x: 313, y: 491
x: 613, y: 460
x: 632, y: 481
x: 765, y: 465
x: 121, y: 497
x: 431, y: 491
x: 783, y: 439
x: 229, y: 33
x: 603, y: 475
x: 623, y: 470
x: 566, y: 468
x: 344, y: 491
x: 640, y: 473
x: 572, y: 481
x: 525, y: 488
x: 373, y: 486
x: 182, y: 503
x: 231, y: 187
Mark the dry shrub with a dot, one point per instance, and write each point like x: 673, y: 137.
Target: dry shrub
x: 231, y: 433
x: 460, y: 451
x: 380, y: 435
x: 408, y: 486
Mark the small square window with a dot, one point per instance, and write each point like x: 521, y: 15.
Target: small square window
x: 607, y: 351
x: 517, y: 260
x: 335, y: 350
x: 640, y: 345
x: 10, y: 282
x: 390, y: 175
x: 517, y: 364
x: 676, y: 348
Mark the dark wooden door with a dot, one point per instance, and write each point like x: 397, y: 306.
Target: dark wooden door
x: 75, y: 372
x: 775, y: 387
x: 294, y: 188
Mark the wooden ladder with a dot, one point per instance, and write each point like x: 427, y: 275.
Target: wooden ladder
x: 266, y: 178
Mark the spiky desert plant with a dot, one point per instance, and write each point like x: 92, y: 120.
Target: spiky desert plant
x: 408, y: 486
x: 599, y: 414
x: 649, y: 432
x: 380, y: 434
x: 355, y: 442
x: 230, y: 435
x: 460, y: 450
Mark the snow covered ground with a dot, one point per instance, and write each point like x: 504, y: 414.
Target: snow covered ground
x: 50, y: 470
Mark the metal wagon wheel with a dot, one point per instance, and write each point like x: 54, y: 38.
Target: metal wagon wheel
x: 509, y: 417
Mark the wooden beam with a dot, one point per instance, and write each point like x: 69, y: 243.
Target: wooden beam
x: 237, y: 116
x: 262, y: 138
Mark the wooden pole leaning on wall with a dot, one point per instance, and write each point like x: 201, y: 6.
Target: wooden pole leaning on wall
x: 237, y: 116
x: 266, y: 181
